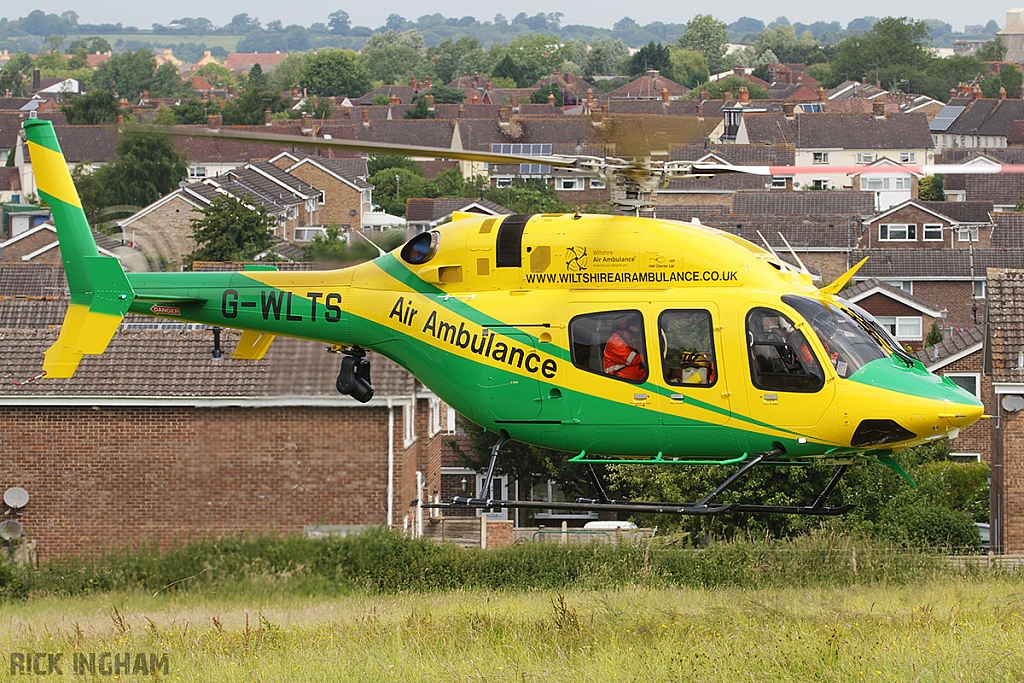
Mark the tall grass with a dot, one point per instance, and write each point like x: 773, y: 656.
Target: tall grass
x: 384, y: 562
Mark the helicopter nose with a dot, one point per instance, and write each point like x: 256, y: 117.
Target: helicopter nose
x: 957, y: 415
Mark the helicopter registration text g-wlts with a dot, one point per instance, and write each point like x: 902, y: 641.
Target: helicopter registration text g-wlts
x: 617, y: 338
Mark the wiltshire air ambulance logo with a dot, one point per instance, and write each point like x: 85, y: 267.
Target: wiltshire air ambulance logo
x: 576, y: 259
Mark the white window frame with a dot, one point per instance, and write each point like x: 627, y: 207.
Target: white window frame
x: 906, y: 285
x: 976, y: 376
x: 596, y: 184
x: 902, y: 183
x: 552, y: 486
x: 503, y: 182
x: 778, y: 183
x: 969, y: 457
x: 885, y: 231
x: 819, y: 157
x: 197, y: 172
x: 819, y: 184
x: 567, y: 184
x: 935, y: 228
x: 908, y: 157
x: 979, y: 287
x: 967, y: 234
x: 434, y: 427
x: 865, y: 157
x: 409, y: 423
x: 451, y: 424
x: 873, y: 183
x: 898, y: 326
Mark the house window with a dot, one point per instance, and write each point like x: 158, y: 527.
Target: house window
x: 503, y: 182
x: 409, y: 423
x: 979, y: 289
x: 932, y: 232
x: 778, y: 183
x: 562, y: 183
x: 596, y: 184
x: 908, y: 157
x: 967, y: 234
x: 819, y: 157
x: 865, y: 157
x: 906, y: 285
x: 902, y: 327
x: 452, y: 424
x: 197, y: 172
x: 897, y: 232
x: 874, y: 183
x: 965, y: 457
x: 550, y: 492
x: 435, y: 416
x: 968, y: 381
x: 901, y: 183
x: 819, y: 184
x: 611, y: 344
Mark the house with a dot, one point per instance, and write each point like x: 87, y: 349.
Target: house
x: 651, y: 86
x: 908, y: 318
x: 824, y: 140
x: 968, y: 120
x: 719, y: 189
x: 1005, y: 341
x: 10, y: 185
x: 934, y: 225
x: 175, y: 444
x: 1004, y: 190
x: 347, y: 196
x: 1013, y: 35
x: 239, y: 62
x: 86, y: 146
x: 890, y: 182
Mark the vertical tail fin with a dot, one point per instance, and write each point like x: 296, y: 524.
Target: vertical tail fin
x: 100, y: 291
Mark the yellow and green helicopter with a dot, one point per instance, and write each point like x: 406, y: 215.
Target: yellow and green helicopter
x: 622, y: 339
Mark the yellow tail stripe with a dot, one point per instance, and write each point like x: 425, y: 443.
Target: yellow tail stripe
x: 52, y: 176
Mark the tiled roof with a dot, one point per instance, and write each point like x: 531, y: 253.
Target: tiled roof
x: 670, y: 108
x: 1009, y: 231
x: 213, y: 150
x: 94, y: 144
x: 287, y: 179
x: 648, y: 87
x: 804, y: 203
x: 1006, y: 323
x: 845, y: 131
x: 936, y: 264
x: 741, y: 155
x: 961, y: 212
x: 957, y: 342
x: 19, y: 313
x: 352, y: 169
x: 10, y: 179
x: 10, y: 125
x: 466, y: 111
x: 106, y: 241
x: 803, y: 232
x: 177, y: 363
x: 871, y: 283
x: 245, y: 60
x: 434, y: 209
x: 405, y: 93
x: 987, y: 117
x: 40, y: 280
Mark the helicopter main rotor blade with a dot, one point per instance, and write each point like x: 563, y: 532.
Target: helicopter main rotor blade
x: 922, y: 169
x: 361, y: 146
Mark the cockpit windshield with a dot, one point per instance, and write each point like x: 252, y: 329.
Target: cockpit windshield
x: 849, y: 342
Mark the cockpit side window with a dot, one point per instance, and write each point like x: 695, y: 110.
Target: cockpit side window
x: 687, y: 348
x: 610, y: 343
x: 781, y: 359
x: 848, y: 345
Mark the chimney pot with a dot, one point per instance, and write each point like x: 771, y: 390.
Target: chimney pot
x: 744, y: 94
x: 878, y: 108
x: 430, y: 102
x: 428, y: 86
x: 551, y: 99
x: 787, y: 109
x: 267, y: 116
x: 727, y: 95
x: 664, y: 95
x: 1002, y: 93
x: 366, y: 117
x: 821, y: 94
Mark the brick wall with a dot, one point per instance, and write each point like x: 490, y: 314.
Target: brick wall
x: 831, y: 264
x: 340, y: 199
x: 164, y: 235
x: 116, y: 476
x: 1013, y: 481
x: 978, y: 437
x: 956, y: 297
x: 913, y: 216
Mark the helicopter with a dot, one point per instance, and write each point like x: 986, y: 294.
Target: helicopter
x: 618, y: 338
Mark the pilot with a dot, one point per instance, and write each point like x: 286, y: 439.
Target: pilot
x: 622, y: 355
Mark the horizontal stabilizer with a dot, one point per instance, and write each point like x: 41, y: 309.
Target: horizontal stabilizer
x: 252, y: 345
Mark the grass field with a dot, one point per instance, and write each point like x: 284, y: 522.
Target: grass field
x: 945, y: 629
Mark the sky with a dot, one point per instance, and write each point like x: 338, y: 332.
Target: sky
x: 602, y: 13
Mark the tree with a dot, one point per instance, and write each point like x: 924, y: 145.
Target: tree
x: 147, y: 167
x: 528, y: 195
x: 249, y: 108
x: 216, y: 75
x: 127, y: 74
x: 894, y: 49
x: 395, y: 58
x: 96, y: 108
x: 451, y: 58
x: 540, y: 95
x: 689, y: 67
x: 708, y: 36
x: 231, y: 230
x: 338, y: 23
x: 1008, y: 78
x: 992, y: 51
x: 526, y: 59
x: 390, y: 192
x: 241, y: 24
x: 731, y: 84
x: 288, y: 72
x: 334, y: 72
x: 606, y: 57
x: 929, y: 189
x: 651, y: 56
x: 934, y: 334
x: 419, y: 110
x: 442, y: 94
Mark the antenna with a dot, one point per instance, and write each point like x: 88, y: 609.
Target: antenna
x: 781, y: 262
x: 16, y: 497
x: 803, y: 268
x: 380, y: 252
x: 10, y: 530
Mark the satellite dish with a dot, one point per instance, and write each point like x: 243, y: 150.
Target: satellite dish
x: 16, y: 497
x: 11, y: 530
x: 1012, y: 403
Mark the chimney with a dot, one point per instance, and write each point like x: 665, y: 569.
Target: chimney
x: 568, y: 78
x: 122, y: 103
x: 120, y: 121
x: 739, y: 71
x: 307, y: 123
x: 952, y: 93
x: 462, y: 110
x: 1002, y: 93
x: 219, y: 121
x: 704, y: 94
x: 653, y: 74
x: 551, y: 99
x: 503, y: 121
x: 515, y: 102
x: 664, y: 95
x: 36, y: 78
x: 412, y: 83
x: 430, y: 102
x: 727, y: 95
x: 700, y: 110
x: 787, y: 110
x: 821, y: 94
x: 878, y: 108
x: 267, y: 116
x: 211, y: 121
x: 366, y: 118
x: 145, y: 96
x: 428, y: 86
x: 490, y: 84
x: 744, y: 94
x: 476, y: 99
x: 597, y: 117
x: 395, y: 99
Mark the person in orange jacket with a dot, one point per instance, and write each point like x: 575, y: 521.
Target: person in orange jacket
x: 622, y: 355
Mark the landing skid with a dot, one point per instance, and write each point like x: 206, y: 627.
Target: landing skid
x: 705, y: 506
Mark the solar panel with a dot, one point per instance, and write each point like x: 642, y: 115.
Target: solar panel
x: 945, y: 118
x: 528, y: 150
